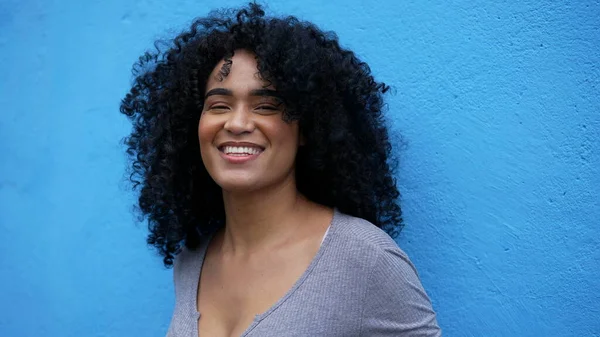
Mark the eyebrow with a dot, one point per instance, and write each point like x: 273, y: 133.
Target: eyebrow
x: 255, y: 92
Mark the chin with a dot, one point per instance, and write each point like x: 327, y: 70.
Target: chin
x: 238, y: 184
x: 245, y: 181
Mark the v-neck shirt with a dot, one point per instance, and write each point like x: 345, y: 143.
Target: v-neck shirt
x: 360, y: 283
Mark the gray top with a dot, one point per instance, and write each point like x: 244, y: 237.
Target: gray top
x: 359, y: 284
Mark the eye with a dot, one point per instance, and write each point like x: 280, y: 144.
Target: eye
x: 218, y: 108
x: 267, y: 107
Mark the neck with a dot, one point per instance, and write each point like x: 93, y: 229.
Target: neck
x: 262, y: 218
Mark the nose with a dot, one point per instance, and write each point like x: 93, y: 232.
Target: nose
x: 239, y: 121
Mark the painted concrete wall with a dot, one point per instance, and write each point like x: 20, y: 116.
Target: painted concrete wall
x: 498, y: 104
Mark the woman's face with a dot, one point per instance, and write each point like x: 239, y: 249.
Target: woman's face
x: 244, y: 142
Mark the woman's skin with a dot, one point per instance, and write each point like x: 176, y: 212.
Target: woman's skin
x: 272, y: 232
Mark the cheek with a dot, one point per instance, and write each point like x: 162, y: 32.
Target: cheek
x: 285, y: 137
x: 207, y: 130
x: 281, y: 132
x: 288, y: 134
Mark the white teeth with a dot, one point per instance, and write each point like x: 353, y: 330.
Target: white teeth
x: 236, y: 150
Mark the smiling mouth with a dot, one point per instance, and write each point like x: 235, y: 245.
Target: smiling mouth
x: 240, y: 151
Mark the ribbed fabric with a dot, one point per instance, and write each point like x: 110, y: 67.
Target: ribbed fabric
x: 359, y: 284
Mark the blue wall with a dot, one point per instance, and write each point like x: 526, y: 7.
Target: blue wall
x: 498, y: 104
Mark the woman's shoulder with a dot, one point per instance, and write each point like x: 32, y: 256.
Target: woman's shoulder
x: 358, y: 244
x: 188, y: 260
x: 395, y: 300
x: 364, y: 234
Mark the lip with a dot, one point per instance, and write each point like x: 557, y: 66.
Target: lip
x: 239, y: 159
x: 239, y: 144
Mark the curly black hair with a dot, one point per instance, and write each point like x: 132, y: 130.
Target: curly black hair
x: 344, y: 162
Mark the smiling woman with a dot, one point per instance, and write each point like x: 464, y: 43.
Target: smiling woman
x: 244, y: 141
x: 262, y: 156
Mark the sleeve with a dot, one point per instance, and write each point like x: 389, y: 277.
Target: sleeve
x: 396, y: 303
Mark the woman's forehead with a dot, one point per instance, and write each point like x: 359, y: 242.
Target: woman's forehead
x: 239, y: 74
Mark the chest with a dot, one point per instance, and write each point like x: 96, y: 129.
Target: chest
x: 231, y: 294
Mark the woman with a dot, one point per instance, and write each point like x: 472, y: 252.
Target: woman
x: 262, y: 157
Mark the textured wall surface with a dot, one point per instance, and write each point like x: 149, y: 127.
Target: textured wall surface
x: 497, y: 103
